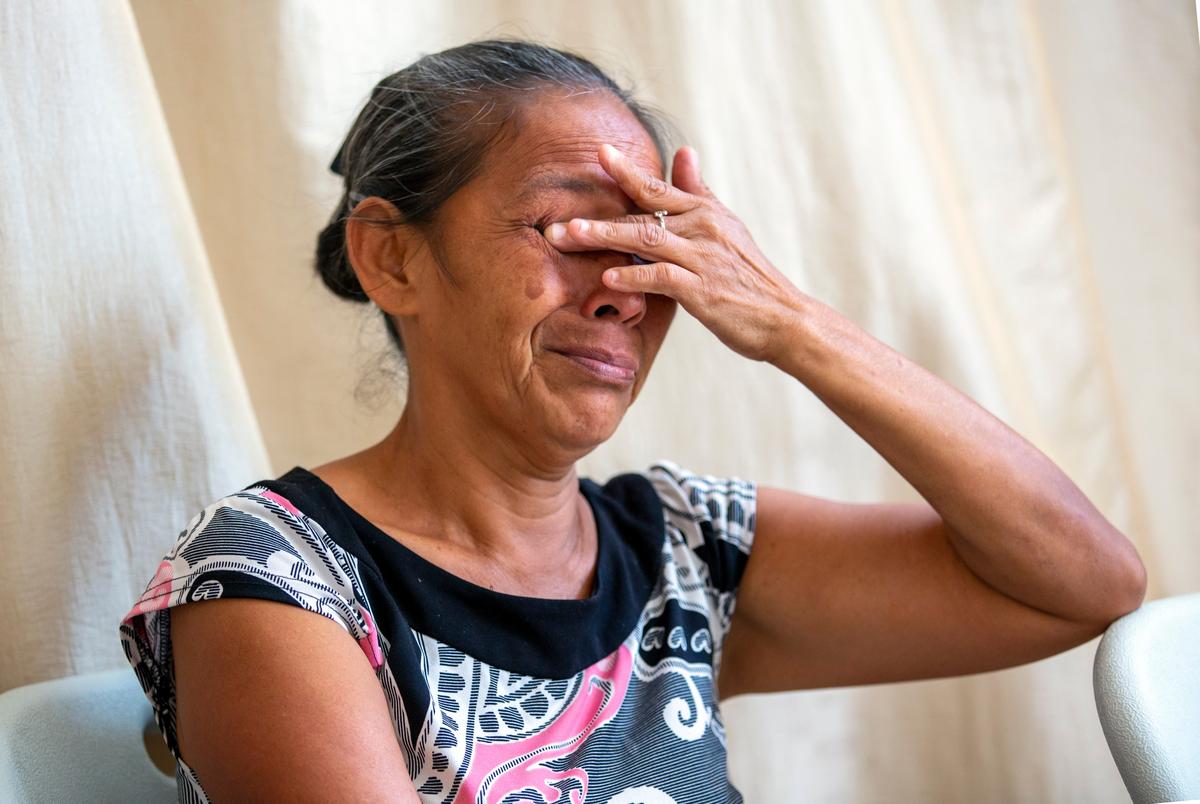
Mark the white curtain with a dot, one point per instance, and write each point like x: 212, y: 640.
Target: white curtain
x: 122, y: 406
x: 1009, y: 193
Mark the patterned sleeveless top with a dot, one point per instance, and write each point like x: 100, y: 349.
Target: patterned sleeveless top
x: 495, y: 697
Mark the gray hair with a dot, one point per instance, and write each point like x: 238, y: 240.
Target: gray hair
x: 425, y: 130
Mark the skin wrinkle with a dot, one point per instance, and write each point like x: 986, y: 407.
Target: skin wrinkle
x: 546, y: 183
x: 479, y: 473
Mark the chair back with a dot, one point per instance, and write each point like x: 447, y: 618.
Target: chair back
x: 89, y: 738
x: 1147, y: 683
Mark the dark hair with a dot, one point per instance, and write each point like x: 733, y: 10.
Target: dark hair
x: 426, y: 129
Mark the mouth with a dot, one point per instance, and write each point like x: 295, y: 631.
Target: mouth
x: 611, y: 367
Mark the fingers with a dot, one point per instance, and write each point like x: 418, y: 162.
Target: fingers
x: 685, y: 172
x: 635, y: 234
x: 656, y: 277
x: 647, y: 190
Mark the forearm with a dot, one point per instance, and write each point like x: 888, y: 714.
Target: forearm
x: 1013, y: 517
x: 1015, y: 520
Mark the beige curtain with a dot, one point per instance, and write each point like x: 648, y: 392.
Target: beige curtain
x: 1007, y: 192
x: 122, y: 406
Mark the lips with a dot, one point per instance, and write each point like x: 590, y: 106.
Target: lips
x: 618, y: 366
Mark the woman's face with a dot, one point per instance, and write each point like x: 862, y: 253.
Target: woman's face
x: 493, y: 341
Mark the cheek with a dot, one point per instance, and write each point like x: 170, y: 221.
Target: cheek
x: 547, y: 275
x: 542, y: 273
x: 520, y: 272
x: 528, y: 283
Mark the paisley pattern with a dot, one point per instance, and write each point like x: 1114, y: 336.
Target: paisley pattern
x: 640, y: 724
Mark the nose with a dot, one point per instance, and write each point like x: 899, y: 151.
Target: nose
x: 603, y: 302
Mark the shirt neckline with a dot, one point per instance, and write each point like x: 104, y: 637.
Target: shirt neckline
x: 588, y: 487
x: 547, y: 638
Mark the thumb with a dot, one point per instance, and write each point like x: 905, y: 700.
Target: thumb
x: 685, y: 172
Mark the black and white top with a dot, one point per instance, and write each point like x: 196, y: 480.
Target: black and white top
x: 496, y: 697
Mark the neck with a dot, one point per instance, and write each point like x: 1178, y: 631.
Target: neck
x: 461, y: 481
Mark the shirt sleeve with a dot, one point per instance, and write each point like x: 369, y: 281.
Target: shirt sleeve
x: 251, y: 544
x: 710, y: 525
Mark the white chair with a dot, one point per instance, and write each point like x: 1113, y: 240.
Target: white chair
x: 1147, y: 683
x: 89, y: 738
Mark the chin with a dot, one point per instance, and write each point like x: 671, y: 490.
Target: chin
x: 584, y: 429
x: 581, y: 415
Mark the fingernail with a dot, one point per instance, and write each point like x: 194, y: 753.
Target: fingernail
x: 555, y: 231
x: 612, y: 152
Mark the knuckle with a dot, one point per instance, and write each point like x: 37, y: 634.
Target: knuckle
x: 666, y: 273
x: 652, y: 234
x: 653, y: 187
x: 709, y: 227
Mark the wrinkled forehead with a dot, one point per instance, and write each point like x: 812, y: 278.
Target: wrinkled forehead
x: 555, y: 141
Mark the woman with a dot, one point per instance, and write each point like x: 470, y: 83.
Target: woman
x: 518, y: 633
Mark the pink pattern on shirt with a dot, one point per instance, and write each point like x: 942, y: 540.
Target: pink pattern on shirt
x: 370, y: 643
x: 158, y: 593
x: 501, y: 768
x: 284, y: 501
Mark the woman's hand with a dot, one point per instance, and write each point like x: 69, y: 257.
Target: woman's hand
x: 705, y: 258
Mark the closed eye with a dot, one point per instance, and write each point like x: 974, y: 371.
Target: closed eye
x: 539, y: 225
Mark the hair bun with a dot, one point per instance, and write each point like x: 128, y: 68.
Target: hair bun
x: 332, y: 262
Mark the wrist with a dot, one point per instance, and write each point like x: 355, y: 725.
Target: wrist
x: 798, y: 341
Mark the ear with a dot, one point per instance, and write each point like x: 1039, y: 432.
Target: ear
x: 381, y: 252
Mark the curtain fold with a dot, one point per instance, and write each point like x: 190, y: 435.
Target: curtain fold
x: 122, y: 406
x: 1008, y: 193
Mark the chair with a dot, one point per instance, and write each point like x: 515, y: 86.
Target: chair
x: 1147, y: 683
x: 83, y: 738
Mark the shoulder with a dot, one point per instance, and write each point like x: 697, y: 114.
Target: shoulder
x: 727, y: 503
x: 261, y: 529
x: 256, y: 543
x: 260, y: 541
x: 713, y: 515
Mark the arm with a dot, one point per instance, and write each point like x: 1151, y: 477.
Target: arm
x: 1006, y: 561
x: 275, y: 703
x: 1011, y: 515
x: 867, y: 594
